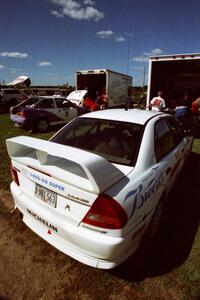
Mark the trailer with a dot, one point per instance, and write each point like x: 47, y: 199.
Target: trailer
x: 102, y: 86
x: 174, y: 75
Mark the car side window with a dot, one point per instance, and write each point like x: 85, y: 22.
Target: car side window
x: 62, y: 103
x: 46, y: 103
x: 175, y: 130
x: 163, y: 140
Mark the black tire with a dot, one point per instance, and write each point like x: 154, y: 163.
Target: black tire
x: 42, y: 125
x: 146, y: 247
x: 156, y: 220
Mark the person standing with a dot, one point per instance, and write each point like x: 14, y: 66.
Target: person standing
x: 183, y: 111
x: 158, y: 103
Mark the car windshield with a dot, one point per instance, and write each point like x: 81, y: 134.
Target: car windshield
x: 116, y: 141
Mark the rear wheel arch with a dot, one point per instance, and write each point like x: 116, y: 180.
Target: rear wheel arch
x: 154, y: 224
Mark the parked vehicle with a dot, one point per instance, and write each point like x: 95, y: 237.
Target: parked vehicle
x: 174, y: 74
x: 10, y: 97
x: 38, y: 113
x: 97, y: 189
x: 19, y: 91
x: 104, y: 87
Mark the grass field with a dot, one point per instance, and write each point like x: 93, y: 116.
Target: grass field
x: 174, y: 266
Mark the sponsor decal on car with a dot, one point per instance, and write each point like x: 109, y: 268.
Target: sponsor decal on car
x: 43, y: 221
x: 41, y: 180
x: 143, y: 193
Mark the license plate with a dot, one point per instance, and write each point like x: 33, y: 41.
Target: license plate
x: 46, y: 195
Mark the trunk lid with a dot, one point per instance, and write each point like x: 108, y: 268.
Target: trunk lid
x: 77, y: 96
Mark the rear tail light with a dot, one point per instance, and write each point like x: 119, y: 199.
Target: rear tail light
x: 14, y: 173
x: 106, y: 213
x: 22, y: 114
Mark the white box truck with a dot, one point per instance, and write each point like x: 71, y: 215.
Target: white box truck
x: 174, y: 75
x: 112, y: 87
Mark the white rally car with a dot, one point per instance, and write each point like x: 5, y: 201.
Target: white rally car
x: 99, y: 184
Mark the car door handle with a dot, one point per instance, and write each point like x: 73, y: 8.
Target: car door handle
x: 168, y: 170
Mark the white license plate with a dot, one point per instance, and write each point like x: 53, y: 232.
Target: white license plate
x: 46, y: 195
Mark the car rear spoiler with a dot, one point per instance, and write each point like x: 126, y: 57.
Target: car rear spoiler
x: 74, y: 166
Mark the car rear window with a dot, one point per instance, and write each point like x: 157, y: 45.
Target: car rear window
x: 116, y: 141
x: 45, y: 103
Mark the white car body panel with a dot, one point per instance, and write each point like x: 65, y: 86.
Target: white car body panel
x: 78, y: 177
x: 140, y: 116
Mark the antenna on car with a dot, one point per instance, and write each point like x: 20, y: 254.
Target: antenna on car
x: 128, y: 100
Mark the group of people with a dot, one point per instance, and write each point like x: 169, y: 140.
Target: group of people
x: 183, y: 110
x: 99, y: 102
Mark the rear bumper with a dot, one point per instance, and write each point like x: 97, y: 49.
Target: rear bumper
x: 24, y: 122
x: 18, y: 119
x: 87, y: 246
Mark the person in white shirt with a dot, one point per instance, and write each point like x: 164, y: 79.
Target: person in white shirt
x: 158, y: 103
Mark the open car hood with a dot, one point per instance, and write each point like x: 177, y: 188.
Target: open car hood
x: 77, y: 96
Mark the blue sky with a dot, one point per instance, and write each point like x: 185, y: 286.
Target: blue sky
x: 49, y: 40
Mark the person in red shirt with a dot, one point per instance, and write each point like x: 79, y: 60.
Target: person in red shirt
x: 88, y: 103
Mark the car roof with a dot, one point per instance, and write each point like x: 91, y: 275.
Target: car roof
x: 51, y: 97
x: 137, y: 116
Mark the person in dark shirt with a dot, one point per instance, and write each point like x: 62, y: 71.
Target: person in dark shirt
x: 183, y: 110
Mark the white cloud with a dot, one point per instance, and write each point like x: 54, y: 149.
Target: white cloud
x: 1, y: 66
x: 13, y: 54
x: 57, y: 14
x: 44, y: 63
x: 145, y: 56
x: 155, y: 51
x: 75, y: 10
x: 120, y: 39
x: 89, y: 2
x: 140, y: 58
x: 104, y: 34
